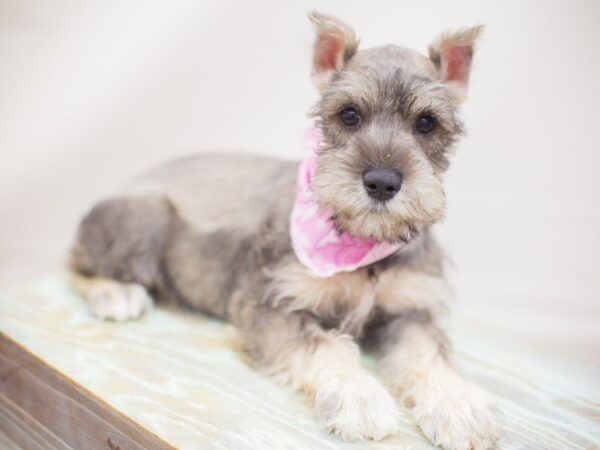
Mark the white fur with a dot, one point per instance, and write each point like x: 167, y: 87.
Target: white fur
x: 348, y: 401
x: 112, y: 300
x: 450, y: 412
x: 357, y: 407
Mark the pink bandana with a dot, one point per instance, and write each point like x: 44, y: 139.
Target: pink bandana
x: 316, y: 242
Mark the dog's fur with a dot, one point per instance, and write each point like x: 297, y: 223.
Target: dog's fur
x: 212, y: 232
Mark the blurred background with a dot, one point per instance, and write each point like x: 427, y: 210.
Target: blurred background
x: 92, y: 93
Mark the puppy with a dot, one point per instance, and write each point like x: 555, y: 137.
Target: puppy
x: 309, y: 261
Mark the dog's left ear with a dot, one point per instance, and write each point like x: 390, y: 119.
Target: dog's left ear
x: 452, y: 54
x: 335, y: 43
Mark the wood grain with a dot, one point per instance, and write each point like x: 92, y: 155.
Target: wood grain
x: 177, y: 375
x: 41, y: 408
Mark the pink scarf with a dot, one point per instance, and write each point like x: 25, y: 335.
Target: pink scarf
x: 316, y: 242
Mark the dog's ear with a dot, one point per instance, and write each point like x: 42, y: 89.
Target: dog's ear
x: 335, y: 43
x: 452, y: 54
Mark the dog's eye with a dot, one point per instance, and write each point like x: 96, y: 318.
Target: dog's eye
x: 350, y: 117
x: 425, y: 123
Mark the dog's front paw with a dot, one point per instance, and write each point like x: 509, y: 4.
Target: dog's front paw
x: 111, y: 300
x: 356, y: 408
x: 457, y: 416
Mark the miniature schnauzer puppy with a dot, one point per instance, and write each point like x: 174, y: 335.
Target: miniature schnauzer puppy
x: 311, y: 261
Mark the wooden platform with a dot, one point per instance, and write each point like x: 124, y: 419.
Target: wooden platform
x: 173, y: 380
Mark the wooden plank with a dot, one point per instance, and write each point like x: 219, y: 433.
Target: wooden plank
x: 23, y: 428
x: 40, y: 408
x: 7, y: 443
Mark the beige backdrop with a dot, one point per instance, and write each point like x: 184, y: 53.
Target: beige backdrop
x: 93, y: 92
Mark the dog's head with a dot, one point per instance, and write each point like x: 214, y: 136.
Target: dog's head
x: 389, y: 118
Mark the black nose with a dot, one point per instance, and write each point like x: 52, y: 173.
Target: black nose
x: 382, y: 184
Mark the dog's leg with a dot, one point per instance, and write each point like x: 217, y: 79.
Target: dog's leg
x: 112, y: 300
x: 452, y: 413
x: 347, y: 400
x: 117, y: 255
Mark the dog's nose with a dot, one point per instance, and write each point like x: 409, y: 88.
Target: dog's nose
x: 382, y: 184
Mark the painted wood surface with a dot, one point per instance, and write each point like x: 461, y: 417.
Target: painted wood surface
x: 177, y: 375
x: 41, y: 408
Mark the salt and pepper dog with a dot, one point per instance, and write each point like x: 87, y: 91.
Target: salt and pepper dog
x: 312, y: 261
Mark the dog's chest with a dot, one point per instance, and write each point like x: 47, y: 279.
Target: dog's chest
x: 344, y: 300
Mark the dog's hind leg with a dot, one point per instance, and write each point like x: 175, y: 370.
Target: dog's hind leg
x: 110, y: 299
x: 117, y: 257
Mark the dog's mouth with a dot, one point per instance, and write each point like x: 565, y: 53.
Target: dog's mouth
x: 398, y: 221
x: 403, y: 231
x: 384, y: 231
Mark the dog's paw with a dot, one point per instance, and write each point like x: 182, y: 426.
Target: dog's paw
x: 357, y: 408
x: 111, y: 300
x: 457, y: 416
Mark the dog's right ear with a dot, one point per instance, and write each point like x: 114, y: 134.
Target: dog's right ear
x: 335, y: 44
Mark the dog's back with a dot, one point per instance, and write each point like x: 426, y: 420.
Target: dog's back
x: 184, y: 229
x: 216, y: 192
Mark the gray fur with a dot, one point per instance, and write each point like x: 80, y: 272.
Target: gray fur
x: 124, y: 238
x: 212, y: 232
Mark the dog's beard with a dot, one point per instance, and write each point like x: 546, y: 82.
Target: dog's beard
x: 381, y: 225
x: 420, y: 203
